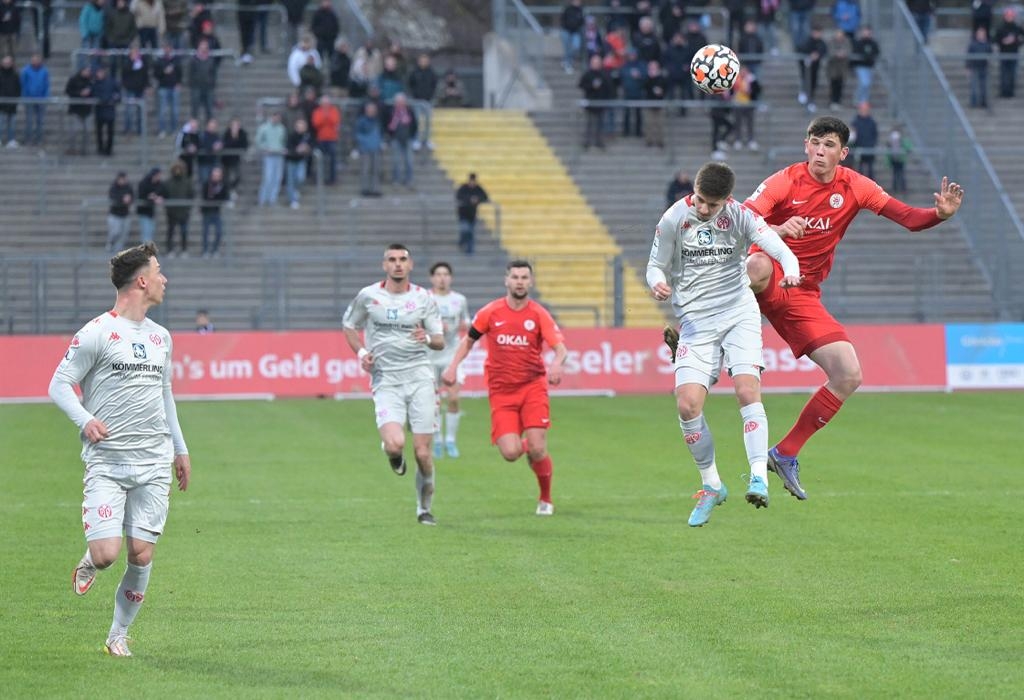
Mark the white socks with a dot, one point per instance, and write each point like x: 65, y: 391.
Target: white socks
x: 755, y: 438
x: 698, y: 439
x: 424, y: 492
x: 129, y: 597
x: 451, y: 426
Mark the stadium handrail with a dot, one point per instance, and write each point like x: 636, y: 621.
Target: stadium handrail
x: 89, y: 204
x: 37, y: 9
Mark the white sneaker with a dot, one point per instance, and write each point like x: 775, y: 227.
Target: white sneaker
x: 12, y: 144
x: 294, y: 205
x: 246, y: 58
x: 718, y: 155
x: 430, y: 145
x: 416, y: 145
x: 802, y: 98
x: 118, y: 646
x: 753, y: 145
x: 545, y: 508
x: 737, y: 145
x: 722, y: 146
x: 83, y: 577
x: 811, y: 107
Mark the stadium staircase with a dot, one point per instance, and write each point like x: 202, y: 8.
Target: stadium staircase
x: 543, y: 215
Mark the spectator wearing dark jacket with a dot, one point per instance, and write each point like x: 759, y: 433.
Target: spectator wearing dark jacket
x: 865, y: 53
x: 1008, y: 39
x: 167, y: 73
x: 179, y: 189
x: 152, y: 191
x: 340, y: 65
x: 369, y: 141
x: 176, y: 22
x: 211, y: 143
x: 294, y: 9
x: 655, y: 88
x: 298, y: 149
x: 10, y: 27
x: 864, y: 139
x: 468, y: 198
x: 215, y: 194
x: 119, y: 31
x: 811, y: 53
x: 423, y: 80
x: 135, y: 83
x: 977, y: 66
x: 235, y: 141
x: 119, y: 224
x: 401, y: 127
x: 107, y: 93
x: 247, y: 27
x: 680, y: 186
x: 10, y: 86
x: 633, y: 76
x: 750, y: 43
x: 326, y: 27
x: 596, y: 85
x: 79, y: 85
x: 202, y: 81
x: 570, y: 31
x: 187, y: 144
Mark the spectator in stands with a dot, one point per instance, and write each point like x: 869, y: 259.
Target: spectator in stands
x: 299, y: 57
x: 202, y: 81
x: 677, y: 57
x: 571, y: 32
x: 750, y: 42
x: 811, y: 52
x: 310, y: 76
x: 641, y: 9
x: 308, y: 104
x: 299, y: 148
x: 672, y: 17
x: 617, y: 16
x: 119, y: 225
x: 694, y: 39
x: 451, y: 92
x: 167, y: 72
x: 262, y: 17
x: 208, y: 35
x: 198, y: 16
x: 179, y: 189
x: 865, y: 52
x: 646, y: 43
x: 367, y: 65
x: 839, y: 49
x: 369, y: 140
x: 981, y: 15
x: 90, y: 27
x: 1008, y: 38
x: 119, y: 31
x: 977, y: 68
x: 326, y: 27
x: 271, y: 140
x: 401, y: 65
x: 107, y: 93
x: 339, y: 67
x: 10, y: 87
x: 203, y: 323
x: 79, y: 85
x: 423, y: 82
x: 401, y: 128
x: 135, y: 84
x: 246, y: 15
x: 294, y: 9
x: 864, y: 139
x: 767, y: 9
x: 591, y: 39
x: 293, y: 110
x: 654, y: 117
x: 150, y: 20
x: 737, y: 19
x: 215, y: 194
x: 390, y: 81
x: 634, y: 78
x: 846, y: 14
x: 898, y: 148
x: 800, y: 21
x: 236, y: 142
x: 596, y: 85
x: 722, y: 126
x: 468, y: 198
x: 922, y: 11
x: 678, y: 187
x: 152, y: 191
x: 745, y: 94
x: 35, y: 82
x: 326, y: 120
x: 10, y: 27
x: 175, y: 22
x: 45, y: 15
x: 211, y: 143
x: 187, y: 144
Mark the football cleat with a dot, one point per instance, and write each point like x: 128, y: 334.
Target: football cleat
x: 397, y: 464
x: 757, y: 492
x: 788, y: 469
x: 426, y: 519
x: 453, y: 450
x: 83, y: 577
x: 545, y: 508
x: 117, y: 646
x: 707, y: 499
x: 438, y: 449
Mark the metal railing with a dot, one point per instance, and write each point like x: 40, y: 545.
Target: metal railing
x: 514, y: 22
x: 36, y: 8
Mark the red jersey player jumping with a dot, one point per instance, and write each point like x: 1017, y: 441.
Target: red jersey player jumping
x: 811, y: 204
x: 517, y: 327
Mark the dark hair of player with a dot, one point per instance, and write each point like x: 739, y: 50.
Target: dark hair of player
x: 823, y: 126
x: 396, y: 246
x: 715, y: 181
x: 519, y: 262
x: 126, y: 265
x: 440, y: 263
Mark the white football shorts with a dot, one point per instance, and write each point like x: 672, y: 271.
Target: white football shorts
x: 415, y: 402
x: 734, y: 336
x: 125, y: 499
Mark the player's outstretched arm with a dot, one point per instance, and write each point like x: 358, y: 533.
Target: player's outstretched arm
x: 555, y: 370
x: 461, y: 351
x: 948, y: 199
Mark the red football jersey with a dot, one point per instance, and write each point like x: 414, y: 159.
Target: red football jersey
x: 514, y: 342
x: 828, y: 208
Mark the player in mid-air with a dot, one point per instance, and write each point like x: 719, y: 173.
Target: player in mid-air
x: 811, y: 204
x: 697, y: 261
x: 130, y: 435
x: 455, y: 316
x: 402, y: 325
x: 516, y: 328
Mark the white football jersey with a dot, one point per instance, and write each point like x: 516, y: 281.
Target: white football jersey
x: 454, y: 312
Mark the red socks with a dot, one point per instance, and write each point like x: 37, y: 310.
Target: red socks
x: 542, y: 468
x: 815, y: 415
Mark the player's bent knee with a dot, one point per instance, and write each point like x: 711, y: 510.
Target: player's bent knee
x: 759, y: 270
x: 688, y: 408
x: 510, y: 455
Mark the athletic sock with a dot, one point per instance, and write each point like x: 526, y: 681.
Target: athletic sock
x: 701, y: 444
x: 129, y: 597
x: 543, y: 468
x: 755, y: 438
x: 451, y: 426
x: 437, y: 434
x: 816, y: 414
x: 424, y: 492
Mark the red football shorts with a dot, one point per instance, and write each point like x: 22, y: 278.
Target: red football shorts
x: 798, y: 315
x: 515, y: 411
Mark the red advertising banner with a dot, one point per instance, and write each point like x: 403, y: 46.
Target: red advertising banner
x: 619, y: 360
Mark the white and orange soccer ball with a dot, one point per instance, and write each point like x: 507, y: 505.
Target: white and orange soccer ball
x: 714, y: 69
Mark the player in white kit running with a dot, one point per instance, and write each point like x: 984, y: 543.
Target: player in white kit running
x: 455, y: 317
x: 402, y: 326
x: 698, y: 260
x: 129, y: 431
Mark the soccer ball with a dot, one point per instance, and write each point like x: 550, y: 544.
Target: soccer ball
x: 714, y: 69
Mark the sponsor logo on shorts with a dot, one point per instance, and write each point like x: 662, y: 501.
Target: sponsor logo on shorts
x: 750, y: 426
x: 134, y: 597
x: 692, y: 438
x: 105, y: 512
x: 85, y: 527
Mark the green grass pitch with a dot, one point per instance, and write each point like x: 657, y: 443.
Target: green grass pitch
x: 294, y: 567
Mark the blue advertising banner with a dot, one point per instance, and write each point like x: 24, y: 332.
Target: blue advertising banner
x: 985, y: 356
